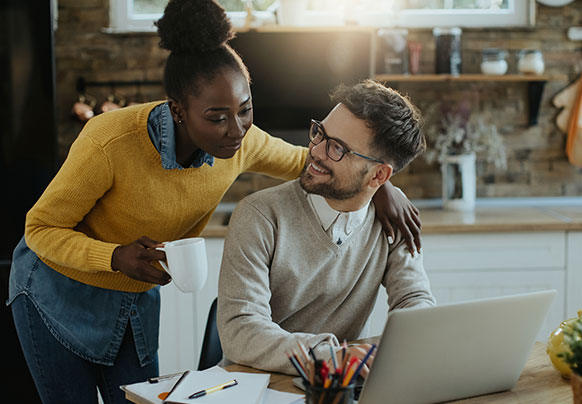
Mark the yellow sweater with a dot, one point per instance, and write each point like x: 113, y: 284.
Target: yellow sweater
x: 112, y: 189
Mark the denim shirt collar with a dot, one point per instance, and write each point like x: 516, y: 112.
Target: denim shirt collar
x: 163, y: 136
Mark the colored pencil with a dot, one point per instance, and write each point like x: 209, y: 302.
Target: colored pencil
x: 298, y: 368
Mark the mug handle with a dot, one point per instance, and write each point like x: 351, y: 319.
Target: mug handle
x: 163, y: 263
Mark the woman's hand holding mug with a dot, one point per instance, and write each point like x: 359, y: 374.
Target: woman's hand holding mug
x: 186, y: 265
x: 135, y: 261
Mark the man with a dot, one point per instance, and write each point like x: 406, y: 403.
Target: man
x: 303, y: 261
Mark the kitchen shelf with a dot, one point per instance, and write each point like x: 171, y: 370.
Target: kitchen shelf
x: 535, y: 83
x: 299, y: 28
x: 471, y: 77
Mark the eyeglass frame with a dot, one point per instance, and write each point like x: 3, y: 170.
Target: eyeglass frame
x: 327, y: 138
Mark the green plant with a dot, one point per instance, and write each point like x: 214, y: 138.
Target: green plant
x: 573, y: 339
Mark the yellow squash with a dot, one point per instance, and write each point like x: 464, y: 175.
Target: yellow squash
x: 556, y: 345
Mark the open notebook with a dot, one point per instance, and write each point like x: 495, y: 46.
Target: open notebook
x: 251, y: 388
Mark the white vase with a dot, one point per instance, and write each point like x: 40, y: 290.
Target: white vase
x: 459, y: 182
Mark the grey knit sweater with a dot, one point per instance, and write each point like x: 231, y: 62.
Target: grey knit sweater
x: 283, y: 280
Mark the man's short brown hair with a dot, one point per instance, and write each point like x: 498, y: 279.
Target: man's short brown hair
x: 396, y: 122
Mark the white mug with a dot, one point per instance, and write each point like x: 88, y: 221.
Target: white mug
x: 187, y: 263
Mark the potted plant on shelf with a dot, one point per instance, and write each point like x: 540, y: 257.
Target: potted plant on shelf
x: 454, y: 137
x: 573, y: 357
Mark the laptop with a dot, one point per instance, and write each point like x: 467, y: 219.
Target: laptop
x: 454, y: 351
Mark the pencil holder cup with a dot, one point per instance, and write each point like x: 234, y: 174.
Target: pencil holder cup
x: 336, y: 395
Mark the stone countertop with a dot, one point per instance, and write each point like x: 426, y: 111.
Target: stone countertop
x: 485, y: 218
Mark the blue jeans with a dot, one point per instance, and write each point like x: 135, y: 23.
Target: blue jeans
x: 63, y: 377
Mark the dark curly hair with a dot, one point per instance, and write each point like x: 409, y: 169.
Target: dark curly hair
x: 396, y: 122
x: 196, y: 32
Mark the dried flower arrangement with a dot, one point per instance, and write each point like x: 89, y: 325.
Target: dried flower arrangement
x: 456, y: 131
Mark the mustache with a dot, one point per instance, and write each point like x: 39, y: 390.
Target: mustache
x: 311, y: 159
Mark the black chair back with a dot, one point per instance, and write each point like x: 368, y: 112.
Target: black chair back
x: 211, y: 352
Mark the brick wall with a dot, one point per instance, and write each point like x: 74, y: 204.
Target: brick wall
x: 537, y: 165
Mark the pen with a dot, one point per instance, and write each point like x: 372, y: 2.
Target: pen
x: 163, y: 396
x: 164, y: 377
x: 326, y: 384
x: 222, y: 386
x: 298, y: 361
x: 357, y: 372
x: 303, y: 351
x: 319, y: 372
x: 298, y: 367
x: 349, y: 371
x: 324, y: 370
x: 345, y: 363
x: 333, y: 358
x: 312, y: 354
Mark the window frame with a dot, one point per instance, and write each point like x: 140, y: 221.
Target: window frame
x: 520, y: 14
x: 121, y: 18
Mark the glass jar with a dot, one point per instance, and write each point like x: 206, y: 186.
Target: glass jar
x: 530, y: 61
x: 493, y: 61
x: 393, y: 52
x: 448, y: 50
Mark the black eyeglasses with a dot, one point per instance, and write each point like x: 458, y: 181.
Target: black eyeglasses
x: 334, y: 149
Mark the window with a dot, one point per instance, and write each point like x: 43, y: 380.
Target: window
x: 431, y: 13
x: 139, y: 15
x: 464, y: 13
x: 134, y: 15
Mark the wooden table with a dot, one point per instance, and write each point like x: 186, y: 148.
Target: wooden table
x: 539, y: 383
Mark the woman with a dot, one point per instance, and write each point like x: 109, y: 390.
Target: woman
x: 83, y: 288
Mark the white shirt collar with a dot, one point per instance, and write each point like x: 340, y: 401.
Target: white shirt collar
x: 338, y: 225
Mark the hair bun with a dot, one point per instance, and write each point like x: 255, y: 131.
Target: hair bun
x: 193, y: 26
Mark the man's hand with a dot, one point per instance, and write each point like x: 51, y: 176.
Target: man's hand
x: 393, y: 207
x: 135, y: 261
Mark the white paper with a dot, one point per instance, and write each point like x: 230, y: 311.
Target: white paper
x: 249, y: 390
x: 279, y: 397
x: 150, y: 391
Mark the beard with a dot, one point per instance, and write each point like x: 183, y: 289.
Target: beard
x: 334, y: 188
